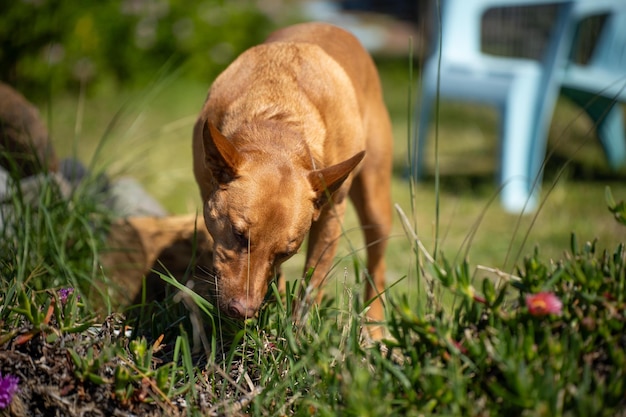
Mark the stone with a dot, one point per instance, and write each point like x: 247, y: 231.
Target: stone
x: 25, y: 148
x: 127, y: 198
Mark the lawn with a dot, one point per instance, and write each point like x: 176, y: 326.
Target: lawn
x: 546, y: 340
x: 147, y: 135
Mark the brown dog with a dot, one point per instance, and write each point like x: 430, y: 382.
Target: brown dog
x: 278, y: 146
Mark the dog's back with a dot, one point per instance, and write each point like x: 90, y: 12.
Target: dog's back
x: 344, y: 48
x: 347, y: 51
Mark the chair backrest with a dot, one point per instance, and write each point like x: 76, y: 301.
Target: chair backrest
x: 460, y: 30
x: 606, y: 66
x: 610, y: 50
x: 461, y: 26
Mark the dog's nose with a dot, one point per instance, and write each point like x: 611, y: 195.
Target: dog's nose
x: 241, y: 309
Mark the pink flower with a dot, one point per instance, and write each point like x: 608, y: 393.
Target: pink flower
x: 459, y: 346
x: 8, y: 388
x: 479, y: 299
x: 543, y: 303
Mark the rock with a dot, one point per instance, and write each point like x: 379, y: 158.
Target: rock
x: 24, y: 145
x: 30, y: 190
x: 127, y: 198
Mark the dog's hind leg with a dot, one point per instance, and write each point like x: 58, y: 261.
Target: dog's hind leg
x: 370, y: 196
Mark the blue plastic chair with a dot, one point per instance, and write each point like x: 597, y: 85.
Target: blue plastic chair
x: 523, y: 90
x: 599, y: 86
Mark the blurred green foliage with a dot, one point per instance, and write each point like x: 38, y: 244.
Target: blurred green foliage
x: 48, y: 45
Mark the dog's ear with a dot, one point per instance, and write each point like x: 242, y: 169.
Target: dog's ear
x: 328, y: 180
x: 221, y: 157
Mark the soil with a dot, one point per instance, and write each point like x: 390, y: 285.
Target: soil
x: 48, y: 385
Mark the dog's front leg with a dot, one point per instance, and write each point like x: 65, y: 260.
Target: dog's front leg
x: 323, y: 240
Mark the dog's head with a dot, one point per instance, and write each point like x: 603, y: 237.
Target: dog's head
x: 258, y: 210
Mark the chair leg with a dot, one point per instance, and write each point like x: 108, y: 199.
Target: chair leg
x: 518, y: 148
x: 606, y: 115
x: 611, y: 133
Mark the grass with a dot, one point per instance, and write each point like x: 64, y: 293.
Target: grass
x: 154, y: 132
x: 475, y: 343
x: 493, y: 348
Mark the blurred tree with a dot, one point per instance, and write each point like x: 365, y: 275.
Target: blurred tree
x: 48, y: 45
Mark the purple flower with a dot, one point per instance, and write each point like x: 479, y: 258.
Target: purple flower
x: 8, y: 388
x: 64, y: 293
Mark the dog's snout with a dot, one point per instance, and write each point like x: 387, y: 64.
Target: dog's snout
x: 241, y: 309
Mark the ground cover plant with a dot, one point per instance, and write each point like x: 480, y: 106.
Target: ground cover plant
x: 547, y: 340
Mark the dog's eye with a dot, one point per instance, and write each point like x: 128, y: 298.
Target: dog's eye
x: 241, y: 238
x: 283, y: 256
